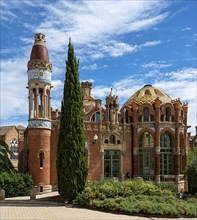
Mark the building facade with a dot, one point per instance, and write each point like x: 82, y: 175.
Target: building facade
x: 146, y: 137
x: 13, y: 136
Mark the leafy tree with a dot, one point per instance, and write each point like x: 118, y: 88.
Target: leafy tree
x: 5, y: 163
x: 71, y: 153
x: 191, y: 172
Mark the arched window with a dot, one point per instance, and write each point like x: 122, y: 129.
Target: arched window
x: 140, y: 118
x: 162, y: 118
x: 112, y: 139
x: 41, y: 159
x: 14, y: 149
x: 146, y: 114
x: 166, y: 162
x: 168, y: 114
x: 95, y: 117
x: 126, y: 116
x: 118, y: 142
x: 146, y: 161
x: 106, y: 141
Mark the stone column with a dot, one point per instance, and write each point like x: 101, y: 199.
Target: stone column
x: 44, y: 103
x: 30, y: 103
x: 135, y: 140
x: 157, y: 140
x: 36, y: 104
x: 49, y: 107
x: 176, y: 150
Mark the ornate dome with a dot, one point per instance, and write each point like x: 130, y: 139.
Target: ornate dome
x: 39, y: 50
x: 148, y: 94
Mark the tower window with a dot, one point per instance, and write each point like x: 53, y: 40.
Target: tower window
x: 112, y: 139
x: 146, y: 114
x: 126, y: 116
x: 41, y: 159
x: 168, y: 114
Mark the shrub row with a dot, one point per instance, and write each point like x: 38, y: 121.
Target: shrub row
x: 16, y: 184
x: 135, y: 196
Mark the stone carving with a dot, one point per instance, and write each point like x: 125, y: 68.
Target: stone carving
x: 33, y: 64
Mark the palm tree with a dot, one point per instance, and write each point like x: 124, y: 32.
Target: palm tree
x: 5, y: 163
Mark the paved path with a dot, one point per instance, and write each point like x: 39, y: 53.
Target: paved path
x: 22, y: 208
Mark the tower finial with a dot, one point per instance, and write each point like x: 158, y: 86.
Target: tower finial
x: 111, y: 92
x: 39, y: 39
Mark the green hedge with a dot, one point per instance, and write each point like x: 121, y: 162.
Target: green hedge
x: 135, y: 196
x: 16, y: 184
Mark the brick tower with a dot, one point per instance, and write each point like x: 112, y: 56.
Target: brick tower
x: 39, y: 126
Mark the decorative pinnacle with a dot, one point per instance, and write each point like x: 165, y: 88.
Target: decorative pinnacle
x: 39, y: 39
x: 111, y: 92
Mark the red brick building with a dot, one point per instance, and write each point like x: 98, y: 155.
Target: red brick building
x: 146, y: 137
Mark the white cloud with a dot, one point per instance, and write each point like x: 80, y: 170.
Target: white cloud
x: 90, y: 67
x: 95, y: 22
x: 186, y: 29
x: 177, y: 84
x: 87, y: 80
x: 93, y: 67
x: 151, y: 43
x: 14, y: 95
x: 157, y: 65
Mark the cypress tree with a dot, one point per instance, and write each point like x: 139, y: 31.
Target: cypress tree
x: 71, y: 153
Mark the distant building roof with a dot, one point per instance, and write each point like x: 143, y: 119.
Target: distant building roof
x: 5, y: 129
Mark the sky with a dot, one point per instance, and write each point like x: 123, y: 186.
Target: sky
x: 120, y: 44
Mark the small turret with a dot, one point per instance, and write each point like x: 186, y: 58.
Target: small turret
x: 112, y: 108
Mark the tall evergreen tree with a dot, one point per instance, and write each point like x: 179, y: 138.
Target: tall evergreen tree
x: 71, y: 154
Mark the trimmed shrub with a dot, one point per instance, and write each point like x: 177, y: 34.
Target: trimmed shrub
x: 16, y: 184
x: 169, y: 186
x: 135, y: 196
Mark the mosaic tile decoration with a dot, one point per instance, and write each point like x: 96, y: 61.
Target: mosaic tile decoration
x: 39, y: 123
x: 39, y: 74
